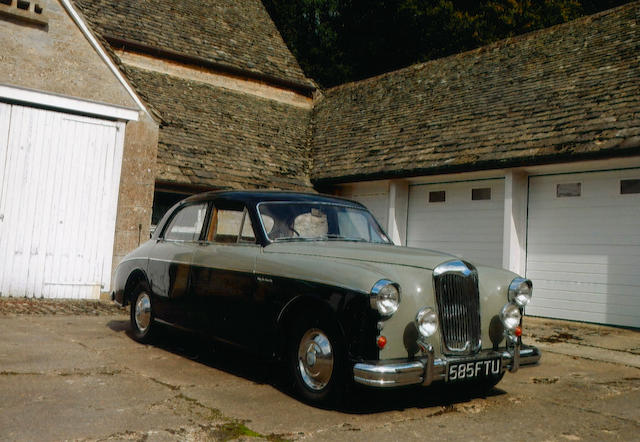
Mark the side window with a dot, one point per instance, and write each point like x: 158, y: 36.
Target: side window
x: 187, y: 224
x: 226, y: 225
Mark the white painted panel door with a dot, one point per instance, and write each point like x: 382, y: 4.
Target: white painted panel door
x: 471, y: 229
x: 583, y: 252
x: 58, y: 200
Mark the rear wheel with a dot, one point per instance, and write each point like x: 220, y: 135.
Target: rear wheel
x: 142, y: 316
x: 316, y: 361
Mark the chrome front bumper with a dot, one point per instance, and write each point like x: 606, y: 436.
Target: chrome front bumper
x: 427, y: 369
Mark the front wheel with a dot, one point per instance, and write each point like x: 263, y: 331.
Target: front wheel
x: 316, y: 361
x: 142, y: 316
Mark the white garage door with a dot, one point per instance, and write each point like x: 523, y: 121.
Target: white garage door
x: 583, y: 246
x: 375, y: 196
x: 59, y: 180
x: 464, y: 218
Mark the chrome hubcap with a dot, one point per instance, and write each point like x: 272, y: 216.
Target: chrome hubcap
x: 315, y: 359
x: 143, y: 311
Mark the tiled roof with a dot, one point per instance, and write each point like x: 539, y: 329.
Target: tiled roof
x: 223, y: 139
x: 238, y: 34
x: 568, y: 92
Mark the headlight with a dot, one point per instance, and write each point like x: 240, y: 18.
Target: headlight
x: 427, y: 321
x: 510, y: 316
x: 385, y: 297
x: 520, y: 291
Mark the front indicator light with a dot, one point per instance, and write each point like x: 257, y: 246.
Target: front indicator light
x: 382, y: 341
x: 427, y: 322
x: 518, y: 331
x: 510, y: 316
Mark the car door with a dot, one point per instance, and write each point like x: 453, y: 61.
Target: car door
x: 170, y: 263
x: 223, y: 274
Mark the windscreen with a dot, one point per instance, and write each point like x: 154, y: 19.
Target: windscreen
x: 305, y: 221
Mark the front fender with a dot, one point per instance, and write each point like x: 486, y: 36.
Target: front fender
x: 128, y: 274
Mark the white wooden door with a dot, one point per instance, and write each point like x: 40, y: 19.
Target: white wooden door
x: 463, y: 218
x: 59, y: 181
x: 583, y: 247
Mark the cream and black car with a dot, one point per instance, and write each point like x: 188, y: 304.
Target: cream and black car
x: 314, y: 282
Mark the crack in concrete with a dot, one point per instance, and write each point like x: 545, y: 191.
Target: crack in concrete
x: 21, y: 373
x: 444, y: 409
x: 164, y: 384
x: 102, y: 371
x: 592, y: 411
x: 600, y: 347
x: 590, y: 358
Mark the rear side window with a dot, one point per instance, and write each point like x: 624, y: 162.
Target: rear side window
x: 187, y: 224
x: 229, y: 226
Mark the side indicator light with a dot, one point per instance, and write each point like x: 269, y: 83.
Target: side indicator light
x: 518, y: 331
x: 382, y: 341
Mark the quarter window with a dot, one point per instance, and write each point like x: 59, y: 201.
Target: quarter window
x: 186, y: 225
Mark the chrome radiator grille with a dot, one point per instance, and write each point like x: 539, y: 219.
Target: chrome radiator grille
x: 456, y: 288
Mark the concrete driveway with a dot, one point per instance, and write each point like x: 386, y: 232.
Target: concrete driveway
x: 70, y: 374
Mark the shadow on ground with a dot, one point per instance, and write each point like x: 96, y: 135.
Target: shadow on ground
x: 357, y: 400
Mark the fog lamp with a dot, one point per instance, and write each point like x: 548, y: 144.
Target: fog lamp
x: 427, y: 321
x: 510, y: 316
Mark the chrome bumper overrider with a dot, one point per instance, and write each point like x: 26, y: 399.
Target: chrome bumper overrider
x: 427, y: 369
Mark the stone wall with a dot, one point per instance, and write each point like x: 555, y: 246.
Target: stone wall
x: 54, y: 57
x: 136, y: 186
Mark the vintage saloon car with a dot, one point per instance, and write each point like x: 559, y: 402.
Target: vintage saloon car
x: 314, y: 281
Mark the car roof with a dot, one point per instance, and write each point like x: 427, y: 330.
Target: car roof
x: 253, y: 197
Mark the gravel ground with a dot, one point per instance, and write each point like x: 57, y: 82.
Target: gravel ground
x: 34, y: 306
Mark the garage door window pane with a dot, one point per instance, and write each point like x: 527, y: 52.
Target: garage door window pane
x: 437, y: 196
x: 628, y: 187
x: 568, y: 190
x: 481, y: 194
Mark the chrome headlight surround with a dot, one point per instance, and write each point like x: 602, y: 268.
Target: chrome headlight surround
x: 385, y: 297
x: 520, y: 291
x: 510, y: 316
x: 427, y: 322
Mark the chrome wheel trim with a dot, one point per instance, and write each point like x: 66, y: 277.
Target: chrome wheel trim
x: 142, y: 312
x: 315, y: 359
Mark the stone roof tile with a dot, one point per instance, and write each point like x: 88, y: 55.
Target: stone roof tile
x: 571, y: 91
x: 238, y: 34
x: 223, y: 139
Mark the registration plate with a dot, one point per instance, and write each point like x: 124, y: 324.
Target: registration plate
x: 468, y: 370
